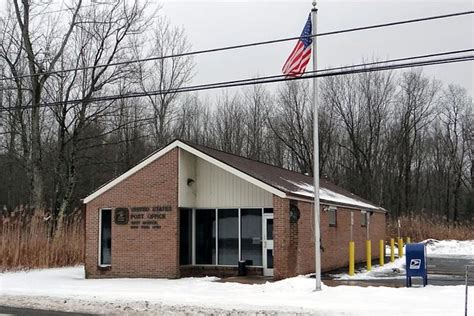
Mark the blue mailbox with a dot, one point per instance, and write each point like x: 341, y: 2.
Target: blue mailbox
x: 416, y: 262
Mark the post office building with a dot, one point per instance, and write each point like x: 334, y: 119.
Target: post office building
x: 189, y: 210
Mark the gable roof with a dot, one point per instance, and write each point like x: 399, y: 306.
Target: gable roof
x: 279, y: 181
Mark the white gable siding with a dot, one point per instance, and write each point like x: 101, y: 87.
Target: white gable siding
x: 215, y: 187
x: 186, y: 170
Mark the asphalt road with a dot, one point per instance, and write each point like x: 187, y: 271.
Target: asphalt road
x: 4, y: 310
x: 442, y: 270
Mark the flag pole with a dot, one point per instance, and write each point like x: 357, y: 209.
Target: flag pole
x: 317, y: 233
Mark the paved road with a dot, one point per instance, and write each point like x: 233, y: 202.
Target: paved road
x: 452, y: 265
x: 4, y: 310
x: 442, y: 270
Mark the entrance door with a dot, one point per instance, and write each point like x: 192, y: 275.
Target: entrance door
x: 267, y: 244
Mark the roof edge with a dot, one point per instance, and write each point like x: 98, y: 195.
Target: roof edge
x: 337, y: 204
x: 151, y: 158
x: 182, y: 145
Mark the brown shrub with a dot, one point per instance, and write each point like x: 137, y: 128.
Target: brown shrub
x: 421, y: 227
x: 31, y: 239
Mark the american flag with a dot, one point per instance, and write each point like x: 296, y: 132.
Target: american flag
x: 296, y: 64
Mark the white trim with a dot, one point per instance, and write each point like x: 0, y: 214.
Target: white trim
x: 329, y: 203
x: 193, y: 151
x: 266, y: 244
x: 239, y: 234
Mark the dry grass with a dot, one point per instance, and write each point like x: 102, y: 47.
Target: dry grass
x: 30, y: 239
x: 421, y: 227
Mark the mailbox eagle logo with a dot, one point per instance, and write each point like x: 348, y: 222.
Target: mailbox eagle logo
x: 415, y: 264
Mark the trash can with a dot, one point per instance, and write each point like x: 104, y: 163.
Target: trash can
x: 242, y: 268
x: 416, y: 263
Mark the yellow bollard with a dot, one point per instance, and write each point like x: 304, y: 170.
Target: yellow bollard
x: 351, y: 258
x: 382, y: 252
x: 368, y: 248
x: 392, y: 250
x: 400, y: 247
x: 408, y: 240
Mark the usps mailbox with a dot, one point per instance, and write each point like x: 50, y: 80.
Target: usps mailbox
x: 416, y: 262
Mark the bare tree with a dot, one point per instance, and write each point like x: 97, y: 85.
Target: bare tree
x: 415, y: 107
x: 456, y: 118
x: 40, y: 64
x: 165, y: 75
x: 101, y: 38
x: 228, y: 130
x: 291, y: 121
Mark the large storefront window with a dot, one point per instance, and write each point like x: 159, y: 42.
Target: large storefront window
x: 223, y: 224
x: 228, y: 231
x: 205, y: 236
x: 251, y: 236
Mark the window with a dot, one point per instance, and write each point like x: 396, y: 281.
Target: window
x: 216, y: 237
x: 105, y: 237
x: 228, y: 231
x: 268, y: 210
x: 251, y: 236
x: 332, y: 214
x: 185, y: 236
x: 205, y: 236
x: 363, y: 219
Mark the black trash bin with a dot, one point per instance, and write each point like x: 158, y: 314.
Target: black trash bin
x: 242, y: 268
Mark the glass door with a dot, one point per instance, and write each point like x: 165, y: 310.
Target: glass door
x: 267, y: 244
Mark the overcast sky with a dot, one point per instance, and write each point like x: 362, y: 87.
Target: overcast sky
x: 211, y: 24
x: 220, y: 23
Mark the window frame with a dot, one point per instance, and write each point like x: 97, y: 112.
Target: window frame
x: 363, y: 214
x: 99, y: 258
x: 329, y: 210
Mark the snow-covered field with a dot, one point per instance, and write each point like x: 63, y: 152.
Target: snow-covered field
x: 67, y: 289
x: 449, y: 247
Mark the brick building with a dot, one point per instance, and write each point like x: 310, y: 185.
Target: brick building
x: 189, y: 210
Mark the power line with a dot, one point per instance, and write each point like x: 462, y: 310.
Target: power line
x: 278, y: 78
x: 213, y: 50
x: 347, y: 70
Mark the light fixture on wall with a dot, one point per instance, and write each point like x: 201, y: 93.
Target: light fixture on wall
x: 190, y: 181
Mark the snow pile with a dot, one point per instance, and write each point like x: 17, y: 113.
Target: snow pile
x: 306, y: 189
x: 66, y: 288
x: 449, y: 247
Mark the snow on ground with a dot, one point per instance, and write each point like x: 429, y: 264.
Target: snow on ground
x: 390, y: 270
x: 449, y: 247
x: 66, y: 288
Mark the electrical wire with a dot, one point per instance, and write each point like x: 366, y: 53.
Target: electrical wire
x: 213, y: 50
x: 347, y: 70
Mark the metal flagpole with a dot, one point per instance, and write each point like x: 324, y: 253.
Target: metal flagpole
x: 317, y: 233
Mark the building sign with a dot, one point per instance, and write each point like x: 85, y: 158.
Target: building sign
x: 143, y: 217
x: 121, y: 216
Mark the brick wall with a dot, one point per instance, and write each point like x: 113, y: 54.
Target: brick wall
x: 139, y: 252
x: 294, y: 243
